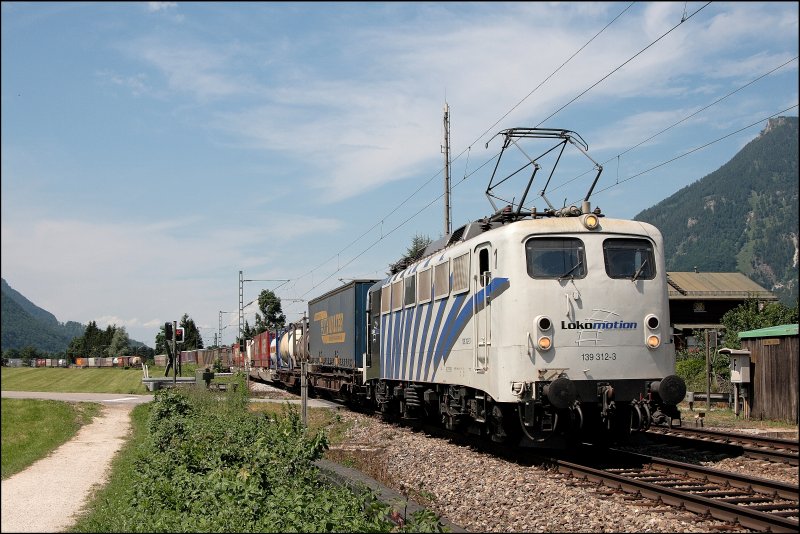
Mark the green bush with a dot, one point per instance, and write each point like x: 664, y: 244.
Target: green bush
x: 210, y: 465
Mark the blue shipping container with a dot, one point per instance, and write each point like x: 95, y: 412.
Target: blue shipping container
x: 338, y: 326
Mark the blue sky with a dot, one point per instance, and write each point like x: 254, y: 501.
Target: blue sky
x: 151, y: 151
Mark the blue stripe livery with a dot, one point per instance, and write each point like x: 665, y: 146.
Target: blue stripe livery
x: 403, y: 358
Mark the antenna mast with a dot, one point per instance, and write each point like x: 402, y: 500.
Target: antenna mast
x: 446, y: 150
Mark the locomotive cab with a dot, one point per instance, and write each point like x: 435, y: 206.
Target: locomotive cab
x: 601, y: 349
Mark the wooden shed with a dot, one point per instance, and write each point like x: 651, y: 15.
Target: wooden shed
x: 774, y: 372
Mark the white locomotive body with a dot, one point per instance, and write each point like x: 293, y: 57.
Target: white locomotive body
x: 530, y: 324
x: 537, y: 313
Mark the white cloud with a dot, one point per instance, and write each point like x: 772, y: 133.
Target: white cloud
x: 380, y: 123
x: 154, y: 7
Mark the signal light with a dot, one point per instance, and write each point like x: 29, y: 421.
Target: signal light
x: 545, y: 343
x: 544, y: 340
x: 179, y: 335
x: 652, y: 339
x: 168, y: 331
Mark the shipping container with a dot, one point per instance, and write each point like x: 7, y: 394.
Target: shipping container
x: 161, y: 360
x: 80, y: 362
x: 259, y: 350
x: 338, y: 326
x: 41, y: 362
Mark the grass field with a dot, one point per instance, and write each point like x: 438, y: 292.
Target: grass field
x: 33, y: 428
x: 77, y: 380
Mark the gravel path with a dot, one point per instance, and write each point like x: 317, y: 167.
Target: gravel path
x: 47, y: 496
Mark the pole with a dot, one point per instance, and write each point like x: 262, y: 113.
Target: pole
x: 447, y: 215
x: 174, y: 355
x: 304, y: 375
x: 708, y: 374
x: 241, y: 308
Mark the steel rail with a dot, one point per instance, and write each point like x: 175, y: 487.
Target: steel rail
x: 749, y: 517
x: 760, y: 441
x: 772, y: 449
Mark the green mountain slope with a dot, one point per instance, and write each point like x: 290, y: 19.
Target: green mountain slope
x: 24, y: 324
x: 742, y: 217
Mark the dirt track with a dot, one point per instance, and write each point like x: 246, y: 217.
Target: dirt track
x: 47, y: 496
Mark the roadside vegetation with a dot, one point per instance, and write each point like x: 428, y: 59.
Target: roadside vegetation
x: 31, y: 429
x: 204, y: 462
x: 750, y: 315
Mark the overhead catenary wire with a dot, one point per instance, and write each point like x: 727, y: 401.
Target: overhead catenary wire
x: 674, y: 124
x: 637, y: 54
x: 466, y: 150
x: 695, y: 149
x: 383, y: 235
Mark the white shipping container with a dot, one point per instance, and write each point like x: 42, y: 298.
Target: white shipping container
x: 93, y: 362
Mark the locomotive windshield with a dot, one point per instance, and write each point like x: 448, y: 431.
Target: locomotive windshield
x: 629, y: 258
x: 555, y: 257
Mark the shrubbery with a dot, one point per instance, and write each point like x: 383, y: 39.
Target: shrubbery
x: 213, y: 466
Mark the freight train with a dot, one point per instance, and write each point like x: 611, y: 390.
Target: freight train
x: 531, y: 327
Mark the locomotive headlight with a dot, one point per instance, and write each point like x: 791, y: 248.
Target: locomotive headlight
x: 544, y: 337
x: 590, y: 221
x: 652, y: 336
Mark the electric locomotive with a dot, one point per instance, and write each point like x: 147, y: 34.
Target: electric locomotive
x: 529, y: 325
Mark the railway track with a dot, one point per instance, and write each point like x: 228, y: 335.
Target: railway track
x: 755, y: 503
x: 758, y: 504
x: 737, y: 444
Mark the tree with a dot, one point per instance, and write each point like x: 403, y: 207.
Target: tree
x: 748, y: 316
x: 418, y: 245
x: 120, y: 342
x: 192, y: 339
x: 27, y: 354
x: 247, y: 332
x: 161, y: 342
x: 76, y: 349
x: 11, y: 354
x: 270, y: 306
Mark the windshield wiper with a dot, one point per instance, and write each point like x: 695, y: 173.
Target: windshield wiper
x: 566, y: 274
x: 639, y: 271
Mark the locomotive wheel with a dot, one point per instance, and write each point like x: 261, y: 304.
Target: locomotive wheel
x: 502, y: 425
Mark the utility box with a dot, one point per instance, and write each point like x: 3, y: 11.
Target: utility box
x: 740, y: 365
